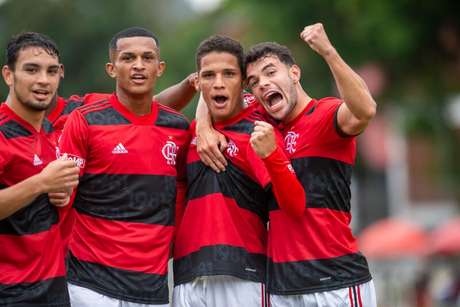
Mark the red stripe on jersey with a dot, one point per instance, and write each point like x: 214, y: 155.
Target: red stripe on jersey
x: 209, y: 222
x: 129, y: 246
x: 31, y: 258
x: 350, y: 296
x: 321, y: 233
x: 359, y: 296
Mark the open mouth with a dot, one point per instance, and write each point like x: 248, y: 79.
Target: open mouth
x: 273, y: 98
x: 220, y: 99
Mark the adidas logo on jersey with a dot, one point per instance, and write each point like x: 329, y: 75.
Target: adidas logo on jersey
x: 119, y: 149
x: 37, y: 161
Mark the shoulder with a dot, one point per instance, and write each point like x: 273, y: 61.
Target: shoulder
x: 10, y: 128
x: 170, y: 118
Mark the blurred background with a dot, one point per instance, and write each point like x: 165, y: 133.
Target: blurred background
x: 406, y: 187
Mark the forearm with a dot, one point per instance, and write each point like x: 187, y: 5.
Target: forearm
x: 353, y: 90
x: 202, y: 115
x: 19, y: 195
x: 287, y: 189
x: 178, y: 95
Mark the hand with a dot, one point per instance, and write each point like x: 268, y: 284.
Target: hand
x: 59, y: 175
x: 263, y: 139
x: 315, y: 36
x: 210, y: 144
x: 192, y: 80
x: 60, y: 199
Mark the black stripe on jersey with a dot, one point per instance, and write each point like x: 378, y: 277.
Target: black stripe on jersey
x: 148, y: 199
x: 121, y: 284
x: 220, y: 260
x: 47, y: 126
x: 232, y: 183
x: 12, y: 129
x: 171, y: 120
x: 243, y: 126
x: 71, y: 105
x: 34, y: 218
x: 326, y: 183
x: 50, y: 292
x: 303, y: 277
x: 105, y: 117
x: 94, y: 105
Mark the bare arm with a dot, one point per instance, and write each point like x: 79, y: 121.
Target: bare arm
x: 210, y: 142
x: 178, y: 95
x: 359, y: 107
x: 56, y: 176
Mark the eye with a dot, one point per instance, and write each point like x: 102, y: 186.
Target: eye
x: 31, y: 70
x: 229, y: 73
x: 127, y: 57
x: 252, y: 83
x: 53, y: 71
x: 271, y: 72
x: 207, y: 75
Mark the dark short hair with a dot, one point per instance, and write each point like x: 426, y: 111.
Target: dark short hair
x: 269, y: 48
x: 25, y: 40
x: 131, y: 32
x: 221, y: 43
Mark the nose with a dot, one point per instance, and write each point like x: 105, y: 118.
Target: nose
x: 138, y: 63
x: 219, y: 81
x: 43, y: 77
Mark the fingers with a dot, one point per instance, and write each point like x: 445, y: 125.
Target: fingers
x: 59, y: 199
x: 211, y: 156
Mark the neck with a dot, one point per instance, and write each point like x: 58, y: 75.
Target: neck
x: 34, y: 118
x: 302, y: 100
x: 139, y: 105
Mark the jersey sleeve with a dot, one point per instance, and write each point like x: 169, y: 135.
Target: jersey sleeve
x: 73, y: 142
x: 287, y: 189
x: 3, y: 155
x: 326, y: 125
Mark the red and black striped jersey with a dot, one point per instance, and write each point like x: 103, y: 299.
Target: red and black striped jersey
x: 126, y: 198
x: 31, y: 258
x: 223, y: 226
x: 317, y: 252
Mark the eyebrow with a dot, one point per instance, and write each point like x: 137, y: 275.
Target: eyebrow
x: 37, y: 65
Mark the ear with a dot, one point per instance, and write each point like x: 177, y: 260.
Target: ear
x: 111, y: 70
x: 196, y: 82
x: 295, y: 73
x: 7, y: 74
x: 61, y: 70
x: 161, y: 68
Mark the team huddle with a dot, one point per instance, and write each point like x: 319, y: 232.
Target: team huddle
x: 251, y: 199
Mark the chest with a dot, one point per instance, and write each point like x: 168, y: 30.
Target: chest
x: 137, y: 149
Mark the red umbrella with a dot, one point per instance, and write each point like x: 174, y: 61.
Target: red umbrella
x: 445, y: 239
x: 392, y: 238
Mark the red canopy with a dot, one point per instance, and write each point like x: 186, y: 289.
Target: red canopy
x: 445, y: 239
x: 392, y: 238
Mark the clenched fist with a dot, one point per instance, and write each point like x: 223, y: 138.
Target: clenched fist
x: 315, y: 36
x: 263, y: 139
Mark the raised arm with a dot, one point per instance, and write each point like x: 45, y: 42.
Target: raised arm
x: 178, y: 95
x: 359, y: 107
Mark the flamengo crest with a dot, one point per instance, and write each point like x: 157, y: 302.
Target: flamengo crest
x: 169, y: 151
x: 290, y: 141
x: 232, y: 149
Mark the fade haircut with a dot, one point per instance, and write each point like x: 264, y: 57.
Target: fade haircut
x: 221, y: 43
x: 130, y: 32
x: 262, y: 50
x: 25, y: 40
